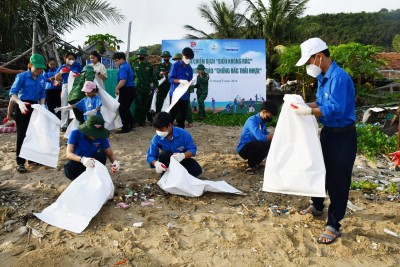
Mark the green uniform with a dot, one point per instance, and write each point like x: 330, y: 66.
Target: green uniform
x: 163, y: 89
x: 143, y: 78
x: 202, y: 92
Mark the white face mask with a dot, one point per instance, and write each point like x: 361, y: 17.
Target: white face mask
x: 314, y: 70
x: 70, y: 62
x: 162, y: 134
x: 186, y: 60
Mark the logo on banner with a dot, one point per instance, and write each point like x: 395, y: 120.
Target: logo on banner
x: 192, y: 44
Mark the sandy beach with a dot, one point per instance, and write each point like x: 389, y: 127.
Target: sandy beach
x: 211, y: 230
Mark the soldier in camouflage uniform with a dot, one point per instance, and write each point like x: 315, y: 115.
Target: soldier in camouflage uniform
x: 144, y: 79
x: 163, y: 71
x: 202, y: 89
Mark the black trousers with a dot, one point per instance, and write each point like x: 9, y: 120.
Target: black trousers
x: 339, y: 151
x: 72, y: 169
x: 255, y: 152
x: 180, y: 107
x: 126, y: 97
x: 53, y: 100
x: 190, y: 164
x: 22, y: 122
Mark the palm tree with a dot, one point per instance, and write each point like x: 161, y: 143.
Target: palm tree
x: 63, y: 16
x: 225, y: 20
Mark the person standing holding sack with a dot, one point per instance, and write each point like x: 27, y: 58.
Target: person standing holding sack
x: 28, y: 88
x: 99, y: 69
x: 335, y: 107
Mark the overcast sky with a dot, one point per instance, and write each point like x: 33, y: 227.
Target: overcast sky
x: 155, y: 20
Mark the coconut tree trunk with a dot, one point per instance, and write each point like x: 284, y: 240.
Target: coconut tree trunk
x: 51, y: 33
x: 34, y: 39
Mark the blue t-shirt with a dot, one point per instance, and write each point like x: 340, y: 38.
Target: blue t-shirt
x: 84, y: 147
x: 181, y: 142
x: 75, y: 68
x: 89, y: 103
x: 49, y: 84
x: 28, y: 88
x: 253, y: 129
x: 178, y: 71
x: 126, y: 73
x: 336, y: 98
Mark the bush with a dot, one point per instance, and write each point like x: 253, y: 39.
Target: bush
x: 229, y: 119
x: 373, y: 142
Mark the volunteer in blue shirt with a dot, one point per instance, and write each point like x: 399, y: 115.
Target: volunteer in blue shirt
x: 62, y: 76
x: 255, y: 140
x: 126, y: 91
x: 27, y: 89
x: 172, y: 141
x: 335, y: 107
x: 53, y: 92
x: 181, y: 73
x: 85, y: 145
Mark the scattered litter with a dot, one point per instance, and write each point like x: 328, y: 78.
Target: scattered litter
x: 389, y: 232
x: 115, y: 243
x: 21, y: 231
x: 36, y: 233
x: 273, y: 211
x: 144, y: 204
x: 374, y: 246
x: 138, y: 224
x: 122, y: 205
x: 253, y: 250
x: 170, y: 225
x: 285, y: 211
x: 10, y: 222
x: 360, y: 167
x: 395, y: 180
x: 174, y: 216
x: 120, y: 262
x: 352, y: 207
x: 306, y: 226
x: 384, y: 182
x: 240, y: 212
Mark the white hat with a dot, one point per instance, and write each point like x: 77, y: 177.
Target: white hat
x: 309, y: 48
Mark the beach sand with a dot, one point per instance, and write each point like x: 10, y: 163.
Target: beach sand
x: 211, y: 230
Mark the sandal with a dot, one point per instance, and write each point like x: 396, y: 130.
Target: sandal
x: 21, y: 168
x: 330, y: 238
x: 249, y: 171
x: 311, y: 210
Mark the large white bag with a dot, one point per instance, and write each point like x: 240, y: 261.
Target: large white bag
x: 153, y: 107
x: 109, y: 109
x: 295, y: 163
x: 42, y: 140
x: 71, y: 126
x: 177, y: 94
x: 81, y: 200
x: 176, y: 180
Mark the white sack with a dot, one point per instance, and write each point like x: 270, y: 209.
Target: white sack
x: 71, y: 126
x: 178, y: 93
x: 162, y: 80
x: 369, y: 111
x: 176, y: 180
x: 42, y: 140
x: 109, y: 109
x: 295, y: 163
x: 153, y: 102
x: 80, y: 201
x: 166, y: 103
x: 70, y: 84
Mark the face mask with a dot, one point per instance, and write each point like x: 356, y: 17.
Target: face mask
x: 162, y: 134
x: 314, y: 70
x: 186, y: 60
x: 141, y: 58
x: 70, y: 62
x: 267, y: 119
x: 166, y: 60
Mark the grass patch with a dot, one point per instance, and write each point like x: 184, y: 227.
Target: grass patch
x: 226, y: 119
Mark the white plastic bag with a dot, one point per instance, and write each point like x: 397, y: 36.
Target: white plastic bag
x: 42, y: 141
x: 109, y: 109
x: 176, y: 180
x: 153, y: 102
x: 81, y: 200
x: 295, y: 163
x: 178, y: 93
x: 166, y: 103
x: 71, y: 126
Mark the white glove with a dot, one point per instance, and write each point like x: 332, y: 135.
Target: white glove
x: 62, y: 108
x: 22, y: 107
x: 151, y: 85
x: 184, y: 82
x: 300, y: 109
x: 160, y: 167
x: 88, y: 162
x: 90, y: 112
x: 115, y: 166
x: 194, y: 80
x: 179, y: 156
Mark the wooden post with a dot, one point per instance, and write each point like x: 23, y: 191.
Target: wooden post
x: 34, y: 34
x: 51, y: 32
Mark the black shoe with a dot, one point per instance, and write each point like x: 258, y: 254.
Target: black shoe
x: 123, y: 131
x: 63, y: 129
x: 21, y: 168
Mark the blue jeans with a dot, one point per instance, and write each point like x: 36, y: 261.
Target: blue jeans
x: 339, y: 151
x: 72, y: 169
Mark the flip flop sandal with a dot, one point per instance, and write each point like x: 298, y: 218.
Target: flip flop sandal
x: 330, y: 238
x: 311, y: 210
x: 249, y: 171
x: 21, y: 168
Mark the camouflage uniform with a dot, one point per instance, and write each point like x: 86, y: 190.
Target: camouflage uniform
x: 163, y: 89
x: 143, y: 78
x: 202, y: 90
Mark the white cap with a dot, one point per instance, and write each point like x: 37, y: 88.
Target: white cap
x: 309, y: 48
